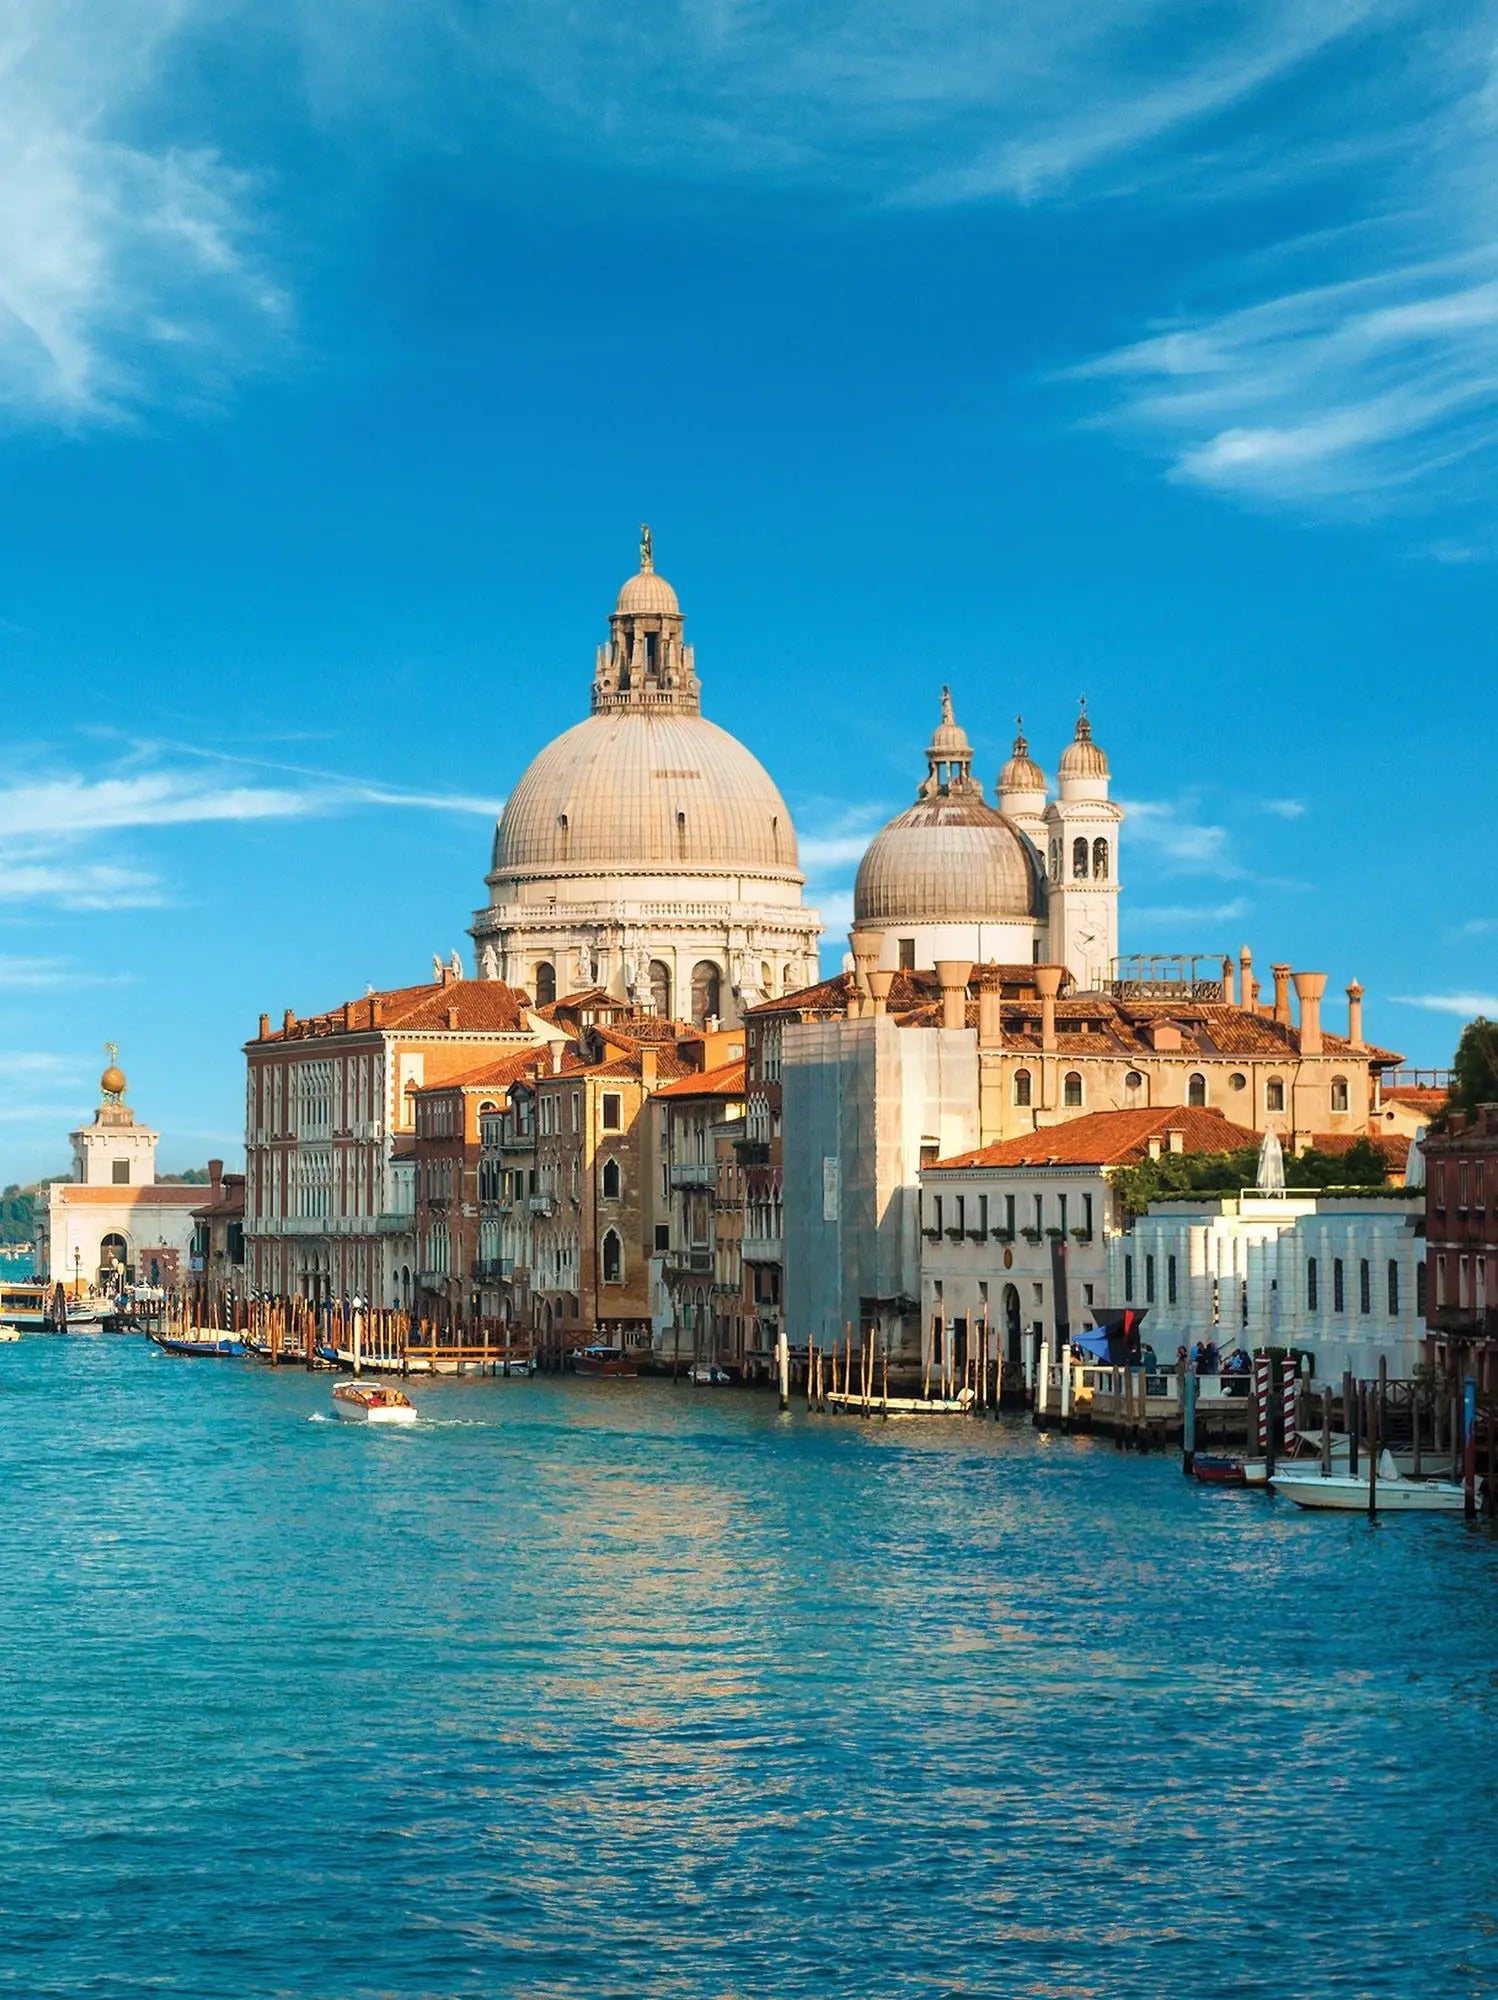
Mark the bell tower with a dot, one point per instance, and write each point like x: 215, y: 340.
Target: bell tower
x: 645, y: 663
x: 1081, y: 826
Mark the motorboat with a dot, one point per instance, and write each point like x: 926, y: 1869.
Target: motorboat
x: 601, y: 1360
x: 372, y: 1403
x: 1391, y: 1492
x: 708, y: 1375
x: 9, y: 1333
x: 27, y: 1306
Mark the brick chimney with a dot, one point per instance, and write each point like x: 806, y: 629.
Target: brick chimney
x: 953, y: 975
x: 264, y: 1026
x: 1309, y: 987
x: 1048, y: 985
x: 865, y: 947
x: 648, y: 1069
x: 1355, y: 1015
x: 216, y: 1177
x: 452, y: 1017
x: 1229, y: 983
x: 1175, y: 1140
x: 376, y: 1010
x: 1281, y: 994
x: 348, y: 1015
x: 288, y: 1021
x: 990, y: 1018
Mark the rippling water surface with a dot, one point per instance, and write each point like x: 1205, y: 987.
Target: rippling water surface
x: 595, y: 1689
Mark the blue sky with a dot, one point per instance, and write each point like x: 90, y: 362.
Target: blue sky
x: 1143, y: 350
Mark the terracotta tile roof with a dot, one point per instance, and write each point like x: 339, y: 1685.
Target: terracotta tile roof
x: 727, y: 1081
x: 482, y: 1006
x: 1418, y: 1096
x: 1392, y: 1147
x: 491, y: 1076
x: 1110, y: 1139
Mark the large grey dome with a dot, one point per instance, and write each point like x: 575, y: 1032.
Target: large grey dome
x: 633, y: 791
x: 948, y: 860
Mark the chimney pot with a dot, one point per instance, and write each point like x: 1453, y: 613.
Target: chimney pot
x: 1355, y: 1015
x: 264, y: 1026
x: 953, y: 975
x: 1048, y: 985
x: 288, y: 1021
x: 990, y: 1018
x: 879, y: 985
x: 1229, y: 983
x: 1309, y: 987
x: 1281, y: 994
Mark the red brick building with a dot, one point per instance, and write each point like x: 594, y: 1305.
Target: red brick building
x: 1461, y: 1238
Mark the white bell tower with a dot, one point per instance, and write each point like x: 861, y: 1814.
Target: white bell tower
x: 1082, y: 843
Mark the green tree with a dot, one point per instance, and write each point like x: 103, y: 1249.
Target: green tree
x: 1474, y: 1070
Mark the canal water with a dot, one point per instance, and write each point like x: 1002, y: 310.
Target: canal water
x: 616, y: 1689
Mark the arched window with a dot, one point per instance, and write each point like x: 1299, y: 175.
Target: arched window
x: 1071, y: 1088
x: 1100, y: 860
x: 660, y: 988
x: 707, y: 986
x: 611, y: 1180
x: 1339, y: 1093
x: 1079, y: 857
x: 681, y: 836
x: 1313, y: 1292
x: 1170, y: 1281
x: 1196, y: 1088
x: 1422, y: 1291
x: 1134, y: 1088
x: 1022, y: 1086
x: 766, y: 979
x: 564, y: 837
x: 1393, y: 1288
x: 113, y: 1253
x: 613, y: 1258
x: 1339, y: 1286
x: 1274, y: 1094
x: 1365, y: 1286
x: 546, y: 983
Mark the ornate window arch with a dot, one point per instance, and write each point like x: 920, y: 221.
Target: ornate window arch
x: 611, y: 1180
x: 611, y: 1257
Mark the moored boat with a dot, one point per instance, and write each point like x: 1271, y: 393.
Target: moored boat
x: 1390, y: 1493
x: 373, y: 1403
x: 9, y: 1333
x: 208, y: 1344
x: 708, y: 1375
x: 602, y: 1360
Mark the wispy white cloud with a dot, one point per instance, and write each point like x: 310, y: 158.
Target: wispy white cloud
x: 1186, y: 913
x: 1176, y: 841
x: 1283, y: 808
x: 127, y: 261
x: 1464, y: 1004
x: 49, y: 823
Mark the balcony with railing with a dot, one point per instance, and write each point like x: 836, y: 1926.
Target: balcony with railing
x: 690, y: 1263
x: 688, y: 1174
x: 763, y: 1249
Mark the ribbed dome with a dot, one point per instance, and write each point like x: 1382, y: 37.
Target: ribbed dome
x: 1021, y: 773
x: 948, y: 860
x: 647, y: 595
x: 1082, y: 758
x: 641, y: 792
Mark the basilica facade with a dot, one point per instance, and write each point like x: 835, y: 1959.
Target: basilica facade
x: 645, y: 851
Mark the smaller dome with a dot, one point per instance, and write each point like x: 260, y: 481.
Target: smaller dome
x: 950, y: 738
x: 1082, y: 758
x: 647, y: 595
x: 1021, y: 773
x: 112, y: 1082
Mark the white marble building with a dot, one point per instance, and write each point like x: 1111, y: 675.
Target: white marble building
x: 645, y: 850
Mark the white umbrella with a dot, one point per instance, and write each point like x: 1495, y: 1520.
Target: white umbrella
x: 1270, y: 1178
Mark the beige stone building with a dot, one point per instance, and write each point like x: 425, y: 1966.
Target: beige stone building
x: 699, y: 1131
x: 646, y: 851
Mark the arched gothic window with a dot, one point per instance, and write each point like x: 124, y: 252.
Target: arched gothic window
x: 1100, y: 860
x: 660, y: 988
x: 613, y: 1258
x: 611, y: 1181
x: 1022, y: 1086
x: 1196, y: 1088
x: 1071, y: 1089
x: 1339, y: 1093
x: 1079, y: 857
x: 707, y: 987
x: 546, y: 983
